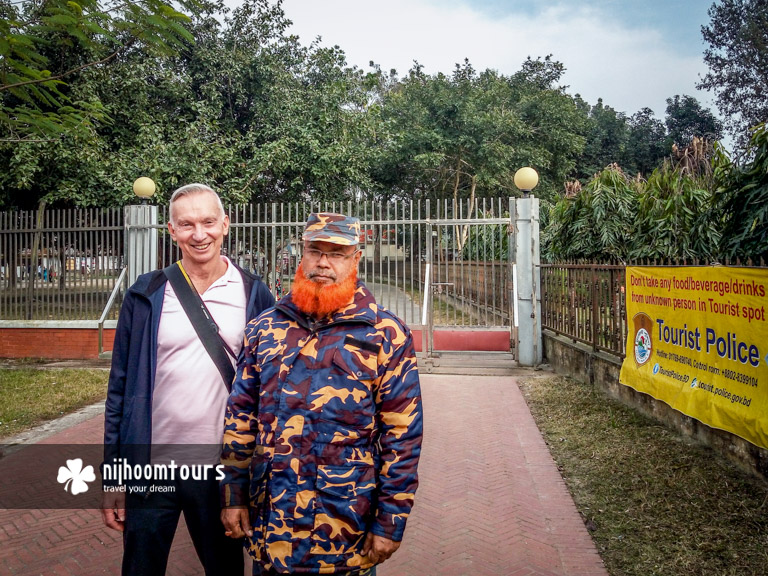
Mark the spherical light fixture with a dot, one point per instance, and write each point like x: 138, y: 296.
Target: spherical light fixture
x: 526, y: 180
x: 144, y: 188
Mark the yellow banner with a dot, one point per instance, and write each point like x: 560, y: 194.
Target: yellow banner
x: 698, y: 341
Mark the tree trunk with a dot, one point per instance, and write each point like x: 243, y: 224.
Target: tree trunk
x: 465, y: 229
x: 33, y: 257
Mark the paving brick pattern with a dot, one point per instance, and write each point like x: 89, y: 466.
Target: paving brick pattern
x: 491, y: 501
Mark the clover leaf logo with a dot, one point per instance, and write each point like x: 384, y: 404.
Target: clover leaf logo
x: 76, y: 475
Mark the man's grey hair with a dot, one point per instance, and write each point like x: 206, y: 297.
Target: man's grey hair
x: 192, y: 189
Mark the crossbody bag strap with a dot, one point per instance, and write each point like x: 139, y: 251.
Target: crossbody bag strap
x: 201, y: 319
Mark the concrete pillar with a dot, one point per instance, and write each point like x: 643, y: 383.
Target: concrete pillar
x: 527, y: 283
x: 140, y: 240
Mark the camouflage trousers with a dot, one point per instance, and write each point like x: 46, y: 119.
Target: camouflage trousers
x: 368, y: 572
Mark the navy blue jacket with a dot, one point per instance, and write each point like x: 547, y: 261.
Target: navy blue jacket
x: 128, y: 409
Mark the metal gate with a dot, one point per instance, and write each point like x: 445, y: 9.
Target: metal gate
x: 469, y: 300
x: 443, y: 267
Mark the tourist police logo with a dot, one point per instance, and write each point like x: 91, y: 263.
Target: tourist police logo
x: 643, y: 345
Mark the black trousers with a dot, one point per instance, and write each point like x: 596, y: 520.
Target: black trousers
x: 151, y: 519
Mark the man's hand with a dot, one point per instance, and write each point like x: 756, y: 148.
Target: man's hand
x: 236, y: 523
x: 113, y: 510
x: 378, y: 548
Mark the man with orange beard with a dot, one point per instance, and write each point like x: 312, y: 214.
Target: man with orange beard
x: 323, y: 427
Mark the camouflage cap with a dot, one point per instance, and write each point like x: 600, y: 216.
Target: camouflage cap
x: 333, y: 228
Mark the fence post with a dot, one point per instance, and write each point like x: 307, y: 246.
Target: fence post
x: 527, y: 256
x: 512, y: 275
x: 275, y: 267
x: 140, y: 240
x: 428, y: 337
x: 595, y: 309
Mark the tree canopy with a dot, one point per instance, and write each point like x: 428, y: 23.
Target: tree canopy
x: 45, y: 47
x: 740, y: 201
x: 464, y: 135
x: 699, y: 204
x: 737, y: 57
x: 96, y: 93
x: 688, y: 119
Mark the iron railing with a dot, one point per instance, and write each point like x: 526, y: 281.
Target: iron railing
x: 586, y: 302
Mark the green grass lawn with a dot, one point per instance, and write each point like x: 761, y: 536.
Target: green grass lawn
x: 30, y: 396
x: 656, y: 503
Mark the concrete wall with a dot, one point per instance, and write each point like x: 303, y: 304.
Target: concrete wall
x: 80, y: 339
x: 54, y: 340
x: 602, y: 370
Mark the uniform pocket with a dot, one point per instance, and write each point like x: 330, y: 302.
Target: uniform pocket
x: 342, y: 507
x: 355, y: 362
x: 343, y: 395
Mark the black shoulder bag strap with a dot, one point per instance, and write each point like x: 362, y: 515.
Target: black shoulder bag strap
x: 204, y: 324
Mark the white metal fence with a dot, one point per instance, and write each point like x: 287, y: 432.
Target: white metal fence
x: 63, y: 264
x: 58, y: 264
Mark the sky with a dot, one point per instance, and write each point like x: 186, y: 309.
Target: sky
x: 631, y: 53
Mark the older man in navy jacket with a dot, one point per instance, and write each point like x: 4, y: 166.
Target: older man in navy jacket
x: 165, y: 390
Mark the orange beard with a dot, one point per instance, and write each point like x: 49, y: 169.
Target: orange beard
x: 321, y: 300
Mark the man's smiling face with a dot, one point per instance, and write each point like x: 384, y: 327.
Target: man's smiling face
x: 198, y: 226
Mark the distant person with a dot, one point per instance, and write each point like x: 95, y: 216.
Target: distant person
x: 165, y: 389
x: 324, y: 424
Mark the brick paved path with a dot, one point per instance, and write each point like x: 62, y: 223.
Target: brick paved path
x: 491, y: 501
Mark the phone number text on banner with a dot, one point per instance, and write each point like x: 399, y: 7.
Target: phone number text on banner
x: 698, y: 341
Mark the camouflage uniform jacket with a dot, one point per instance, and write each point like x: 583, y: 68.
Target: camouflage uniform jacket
x: 334, y: 449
